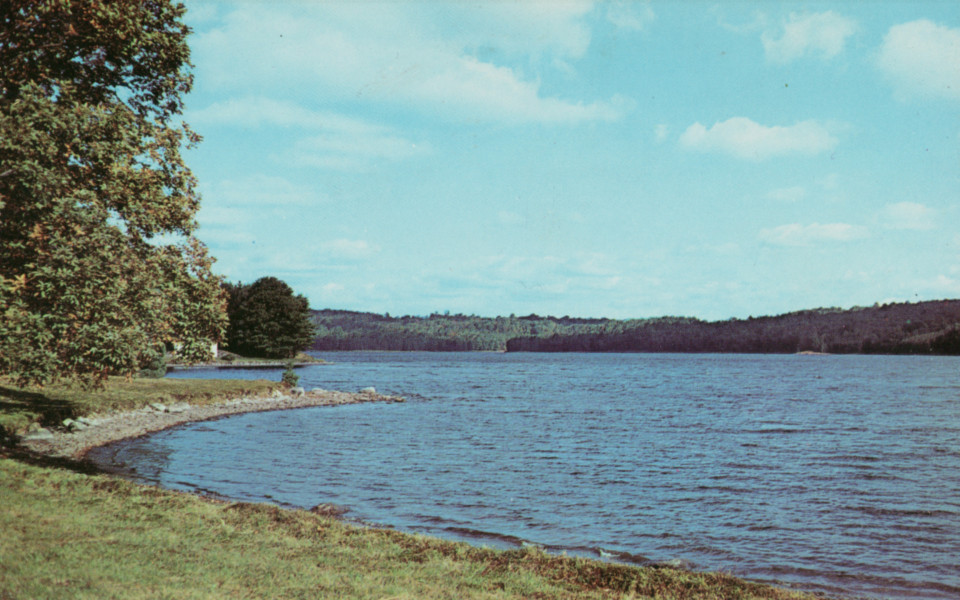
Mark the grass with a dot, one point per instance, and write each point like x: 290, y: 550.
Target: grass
x: 69, y: 532
x: 49, y: 406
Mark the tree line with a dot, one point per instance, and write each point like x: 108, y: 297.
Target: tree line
x: 349, y: 330
x: 898, y: 328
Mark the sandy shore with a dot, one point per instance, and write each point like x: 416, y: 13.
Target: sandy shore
x: 113, y: 427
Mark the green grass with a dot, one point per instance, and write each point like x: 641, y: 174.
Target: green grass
x: 75, y: 535
x: 70, y: 532
x: 49, y: 406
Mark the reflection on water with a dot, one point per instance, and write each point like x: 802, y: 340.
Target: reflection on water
x: 839, y: 474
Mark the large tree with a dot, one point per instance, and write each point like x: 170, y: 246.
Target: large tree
x: 267, y: 320
x: 98, y: 266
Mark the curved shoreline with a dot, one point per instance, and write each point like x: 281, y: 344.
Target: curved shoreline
x: 116, y: 426
x: 113, y: 427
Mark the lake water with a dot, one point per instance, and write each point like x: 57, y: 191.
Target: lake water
x: 838, y: 474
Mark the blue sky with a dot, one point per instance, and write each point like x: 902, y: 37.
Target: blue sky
x: 620, y: 159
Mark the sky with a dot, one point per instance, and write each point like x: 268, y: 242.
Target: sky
x: 590, y: 159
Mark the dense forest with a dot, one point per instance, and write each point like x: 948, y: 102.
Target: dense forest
x: 918, y: 328
x: 347, y: 330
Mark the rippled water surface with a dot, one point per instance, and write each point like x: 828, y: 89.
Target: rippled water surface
x: 830, y: 473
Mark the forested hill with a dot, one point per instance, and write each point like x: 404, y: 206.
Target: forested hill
x: 920, y: 328
x: 347, y: 330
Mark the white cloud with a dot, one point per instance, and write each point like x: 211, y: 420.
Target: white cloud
x: 261, y: 191
x: 922, y: 58
x: 744, y: 138
x: 757, y: 23
x: 250, y: 210
x: 796, y: 234
x: 401, y: 53
x: 257, y: 111
x: 201, y: 13
x: 352, y: 152
x: 943, y: 285
x: 349, y: 249
x: 344, y: 142
x: 908, y: 215
x: 790, y: 194
x: 514, y: 28
x: 817, y: 34
x: 630, y: 15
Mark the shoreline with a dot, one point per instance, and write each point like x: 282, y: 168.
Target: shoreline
x: 113, y: 427
x: 616, y: 576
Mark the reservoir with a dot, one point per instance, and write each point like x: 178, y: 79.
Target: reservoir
x: 838, y: 474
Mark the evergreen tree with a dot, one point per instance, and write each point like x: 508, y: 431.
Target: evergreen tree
x: 267, y: 320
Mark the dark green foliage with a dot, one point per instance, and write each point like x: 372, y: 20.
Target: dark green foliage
x: 346, y: 330
x: 290, y: 377
x: 154, y: 364
x: 267, y: 320
x: 926, y: 327
x: 91, y: 175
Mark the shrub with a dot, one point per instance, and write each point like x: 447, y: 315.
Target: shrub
x: 153, y: 364
x: 289, y: 377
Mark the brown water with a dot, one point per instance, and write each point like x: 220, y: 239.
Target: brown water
x: 838, y: 474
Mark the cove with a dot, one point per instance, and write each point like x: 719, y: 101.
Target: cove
x: 838, y: 474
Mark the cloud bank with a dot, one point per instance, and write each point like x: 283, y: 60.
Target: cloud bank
x: 458, y: 60
x: 922, y: 58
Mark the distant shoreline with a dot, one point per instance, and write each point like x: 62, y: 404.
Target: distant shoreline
x: 925, y: 328
x: 265, y: 364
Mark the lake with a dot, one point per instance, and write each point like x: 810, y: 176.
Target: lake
x: 838, y: 474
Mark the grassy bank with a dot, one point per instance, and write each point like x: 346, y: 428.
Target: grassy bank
x: 49, y: 406
x: 69, y: 532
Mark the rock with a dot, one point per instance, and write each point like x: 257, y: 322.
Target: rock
x: 158, y: 407
x: 39, y: 434
x: 676, y: 563
x: 296, y: 392
x: 368, y: 390
x: 178, y: 408
x: 399, y: 399
x: 329, y: 510
x: 277, y: 394
x: 318, y: 391
x: 625, y: 557
x: 75, y: 424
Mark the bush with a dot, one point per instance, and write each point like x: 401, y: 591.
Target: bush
x: 289, y: 377
x: 153, y: 364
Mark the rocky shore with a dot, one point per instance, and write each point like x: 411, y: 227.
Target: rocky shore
x: 80, y: 435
